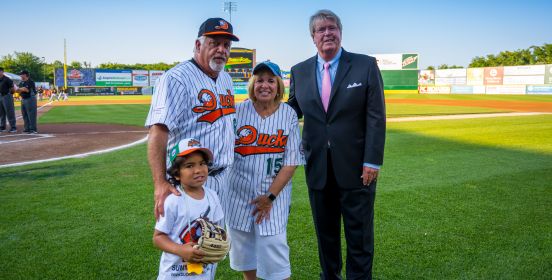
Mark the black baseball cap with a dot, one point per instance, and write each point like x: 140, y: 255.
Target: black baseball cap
x: 217, y: 26
x: 24, y: 72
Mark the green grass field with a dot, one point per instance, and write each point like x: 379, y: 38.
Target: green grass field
x: 457, y: 199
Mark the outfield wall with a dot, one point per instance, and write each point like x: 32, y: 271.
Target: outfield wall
x: 524, y: 79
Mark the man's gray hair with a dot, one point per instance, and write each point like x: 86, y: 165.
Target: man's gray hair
x: 201, y: 40
x: 322, y: 15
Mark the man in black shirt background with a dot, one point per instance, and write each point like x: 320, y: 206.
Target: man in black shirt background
x: 27, y: 90
x: 6, y: 102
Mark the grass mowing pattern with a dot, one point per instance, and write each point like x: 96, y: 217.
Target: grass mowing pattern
x: 127, y: 114
x: 395, y: 110
x: 135, y: 114
x: 447, y: 207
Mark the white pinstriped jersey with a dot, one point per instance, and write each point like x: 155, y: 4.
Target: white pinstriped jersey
x: 192, y: 105
x: 263, y: 147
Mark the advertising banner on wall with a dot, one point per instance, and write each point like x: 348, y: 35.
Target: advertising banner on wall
x: 523, y: 80
x: 451, y: 81
x: 475, y: 76
x: 461, y: 89
x: 110, y: 77
x: 539, y: 89
x: 389, y: 61
x: 400, y: 79
x: 76, y: 77
x: 450, y: 73
x: 493, y: 75
x: 524, y: 70
x: 548, y: 74
x: 241, y: 58
x: 154, y: 75
x: 140, y: 78
x: 479, y: 89
x: 505, y: 89
x: 434, y: 89
x: 410, y: 61
x: 426, y: 77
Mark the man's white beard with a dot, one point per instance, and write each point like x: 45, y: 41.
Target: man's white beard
x: 216, y: 66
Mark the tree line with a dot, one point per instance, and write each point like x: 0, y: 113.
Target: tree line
x: 42, y: 71
x: 529, y: 56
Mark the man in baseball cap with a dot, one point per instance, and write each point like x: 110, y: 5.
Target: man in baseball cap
x: 195, y: 99
x: 217, y: 26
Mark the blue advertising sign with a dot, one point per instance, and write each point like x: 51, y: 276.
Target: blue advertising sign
x: 76, y: 77
x: 461, y: 89
x: 539, y: 89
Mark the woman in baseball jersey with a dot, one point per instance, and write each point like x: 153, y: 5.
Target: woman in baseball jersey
x: 266, y: 154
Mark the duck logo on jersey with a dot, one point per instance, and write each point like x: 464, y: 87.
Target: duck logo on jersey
x: 250, y: 142
x: 209, y: 106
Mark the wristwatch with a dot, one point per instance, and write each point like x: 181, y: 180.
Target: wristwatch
x: 271, y: 196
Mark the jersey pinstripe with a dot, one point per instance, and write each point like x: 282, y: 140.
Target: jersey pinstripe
x: 192, y: 105
x: 262, y: 147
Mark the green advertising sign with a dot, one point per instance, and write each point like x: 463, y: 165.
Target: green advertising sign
x: 400, y: 79
x: 548, y: 74
x: 409, y: 61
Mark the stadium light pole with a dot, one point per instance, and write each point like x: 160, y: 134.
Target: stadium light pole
x: 43, y: 69
x: 230, y: 7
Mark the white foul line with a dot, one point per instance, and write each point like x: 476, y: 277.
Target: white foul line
x: 36, y: 137
x: 78, y: 155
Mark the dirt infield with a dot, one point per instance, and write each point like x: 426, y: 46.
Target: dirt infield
x: 56, y: 140
x: 520, y: 106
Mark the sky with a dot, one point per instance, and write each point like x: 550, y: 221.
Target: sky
x: 146, y: 31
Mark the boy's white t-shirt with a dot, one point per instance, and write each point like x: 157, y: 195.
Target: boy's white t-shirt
x: 180, y: 211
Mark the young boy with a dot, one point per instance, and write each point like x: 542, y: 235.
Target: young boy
x: 175, y: 232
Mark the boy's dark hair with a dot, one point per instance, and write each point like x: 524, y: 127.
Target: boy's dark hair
x: 174, y: 170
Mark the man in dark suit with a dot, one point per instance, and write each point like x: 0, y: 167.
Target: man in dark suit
x: 340, y: 96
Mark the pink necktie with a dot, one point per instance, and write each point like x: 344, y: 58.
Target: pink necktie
x: 326, y: 86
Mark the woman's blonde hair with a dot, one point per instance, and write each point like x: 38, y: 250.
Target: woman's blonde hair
x: 251, y: 86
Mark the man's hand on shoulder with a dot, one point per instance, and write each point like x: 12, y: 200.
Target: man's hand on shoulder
x: 162, y: 189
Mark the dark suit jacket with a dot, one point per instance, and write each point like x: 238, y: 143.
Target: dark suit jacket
x: 354, y: 126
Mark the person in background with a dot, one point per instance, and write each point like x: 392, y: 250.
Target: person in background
x: 27, y: 90
x: 7, y: 110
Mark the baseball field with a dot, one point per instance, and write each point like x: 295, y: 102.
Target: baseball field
x: 465, y: 198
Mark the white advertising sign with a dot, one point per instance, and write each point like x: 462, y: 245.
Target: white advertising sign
x: 479, y: 89
x: 434, y: 89
x: 524, y: 70
x: 523, y: 80
x: 140, y: 78
x: 451, y: 81
x: 389, y: 61
x: 154, y: 75
x: 449, y: 73
x: 505, y: 90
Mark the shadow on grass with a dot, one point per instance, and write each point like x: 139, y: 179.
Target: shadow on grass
x: 53, y: 171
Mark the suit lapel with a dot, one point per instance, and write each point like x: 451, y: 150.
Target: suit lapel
x: 342, y: 70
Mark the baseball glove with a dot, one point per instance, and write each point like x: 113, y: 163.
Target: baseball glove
x: 213, y: 241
